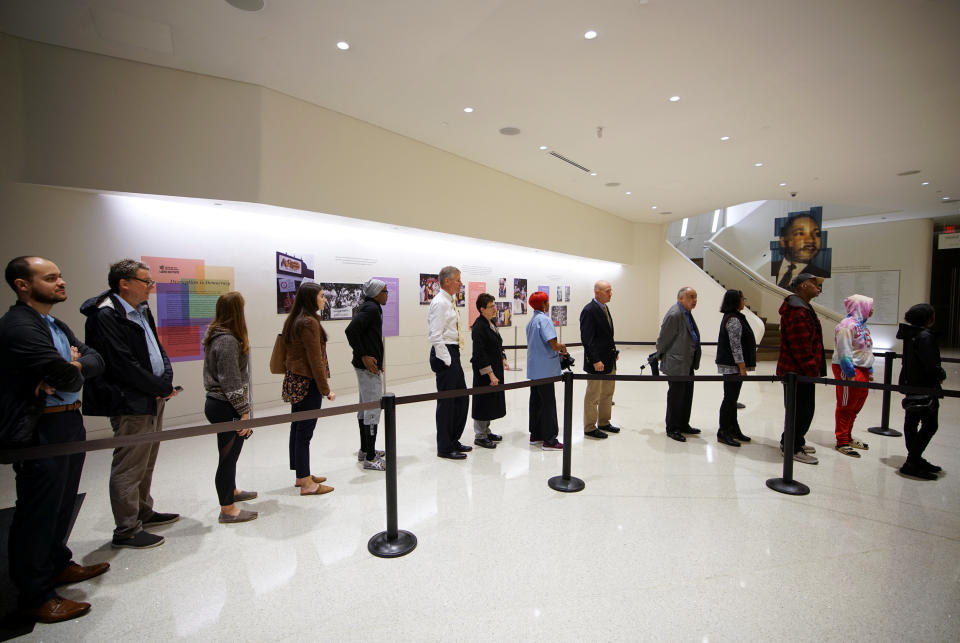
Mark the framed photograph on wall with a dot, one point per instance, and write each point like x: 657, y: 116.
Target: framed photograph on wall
x: 429, y: 286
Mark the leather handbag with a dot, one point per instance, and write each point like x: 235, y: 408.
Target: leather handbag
x: 917, y: 403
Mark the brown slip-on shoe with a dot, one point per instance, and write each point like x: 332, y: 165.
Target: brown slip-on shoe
x: 75, y: 573
x: 243, y: 516
x: 321, y: 489
x: 244, y: 495
x: 58, y: 609
x: 317, y: 479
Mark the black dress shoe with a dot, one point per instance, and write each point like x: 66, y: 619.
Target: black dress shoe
x: 494, y: 437
x: 609, y: 428
x: 486, y: 443
x: 452, y: 455
x: 738, y: 434
x: 463, y: 448
x: 690, y: 430
x: 596, y: 434
x: 741, y: 405
x: 676, y: 435
x: 726, y: 438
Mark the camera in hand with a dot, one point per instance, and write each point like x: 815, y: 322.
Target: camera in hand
x: 567, y: 361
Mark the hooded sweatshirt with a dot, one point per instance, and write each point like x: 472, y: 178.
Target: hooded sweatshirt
x: 854, y: 347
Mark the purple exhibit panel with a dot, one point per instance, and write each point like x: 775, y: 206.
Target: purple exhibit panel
x: 391, y: 312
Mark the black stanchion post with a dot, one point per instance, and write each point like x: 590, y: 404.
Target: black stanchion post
x: 884, y: 428
x: 393, y: 542
x: 787, y: 484
x: 566, y: 482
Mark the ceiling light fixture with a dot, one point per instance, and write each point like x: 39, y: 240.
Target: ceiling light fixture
x: 925, y: 183
x: 468, y: 110
x: 783, y: 185
x: 246, y: 5
x: 509, y: 131
x: 629, y: 193
x: 653, y: 207
x: 590, y: 35
x: 674, y: 99
x: 343, y: 45
x: 724, y: 138
x: 758, y: 165
x: 543, y: 147
x: 593, y: 174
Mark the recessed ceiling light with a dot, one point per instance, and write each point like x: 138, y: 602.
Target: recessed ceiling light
x: 758, y: 165
x: 724, y: 138
x: 468, y: 110
x: 543, y: 147
x: 593, y: 174
x: 343, y: 45
x: 674, y: 99
x: 612, y: 184
x: 590, y: 35
x: 945, y: 198
x: 247, y: 5
x: 653, y: 207
x: 925, y: 183
x: 629, y: 193
x: 509, y: 131
x: 783, y: 185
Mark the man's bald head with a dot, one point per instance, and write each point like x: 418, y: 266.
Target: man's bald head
x: 602, y: 291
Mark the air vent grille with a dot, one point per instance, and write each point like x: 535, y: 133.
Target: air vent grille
x: 573, y: 163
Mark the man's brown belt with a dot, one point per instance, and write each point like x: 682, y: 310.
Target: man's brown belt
x: 62, y: 408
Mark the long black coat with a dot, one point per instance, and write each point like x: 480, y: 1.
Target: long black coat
x: 487, y: 351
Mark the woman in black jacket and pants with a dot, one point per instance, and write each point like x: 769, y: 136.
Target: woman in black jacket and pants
x: 488, y: 363
x: 921, y: 367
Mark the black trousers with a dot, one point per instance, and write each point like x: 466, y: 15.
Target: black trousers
x: 46, y: 496
x: 728, y: 408
x: 229, y: 444
x: 301, y: 432
x: 543, y: 413
x: 918, y: 439
x: 806, y: 405
x: 451, y: 412
x: 679, y: 404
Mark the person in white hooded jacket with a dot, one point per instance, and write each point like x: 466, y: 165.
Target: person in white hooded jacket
x: 852, y: 360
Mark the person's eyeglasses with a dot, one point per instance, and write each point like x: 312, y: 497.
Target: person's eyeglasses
x: 149, y: 282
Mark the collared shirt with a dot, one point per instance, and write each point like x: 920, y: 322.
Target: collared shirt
x: 785, y: 268
x: 443, y: 325
x: 136, y: 315
x: 542, y: 360
x: 62, y: 345
x: 606, y: 312
x: 693, y: 328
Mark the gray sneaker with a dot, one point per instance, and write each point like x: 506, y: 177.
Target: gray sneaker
x: 805, y: 458
x: 807, y: 448
x: 377, y: 464
x: 361, y: 455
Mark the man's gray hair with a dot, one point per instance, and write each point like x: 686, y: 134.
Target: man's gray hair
x: 447, y: 272
x: 683, y: 290
x: 124, y: 269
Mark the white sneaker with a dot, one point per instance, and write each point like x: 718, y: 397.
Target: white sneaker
x: 377, y: 464
x: 361, y: 455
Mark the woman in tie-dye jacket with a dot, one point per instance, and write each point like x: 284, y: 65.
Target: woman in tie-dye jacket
x: 852, y: 360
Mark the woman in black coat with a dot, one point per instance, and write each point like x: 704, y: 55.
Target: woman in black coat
x: 921, y: 367
x: 488, y: 363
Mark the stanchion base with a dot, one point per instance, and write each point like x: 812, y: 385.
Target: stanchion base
x: 791, y: 487
x: 569, y: 485
x: 883, y: 430
x: 382, y: 547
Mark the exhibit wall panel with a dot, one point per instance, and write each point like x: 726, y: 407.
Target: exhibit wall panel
x: 83, y: 232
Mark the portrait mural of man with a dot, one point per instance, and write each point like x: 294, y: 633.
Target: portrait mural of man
x: 801, y: 246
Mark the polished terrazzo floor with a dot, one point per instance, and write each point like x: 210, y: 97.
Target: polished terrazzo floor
x: 669, y: 541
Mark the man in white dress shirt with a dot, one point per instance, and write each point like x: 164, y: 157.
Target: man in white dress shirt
x: 445, y: 334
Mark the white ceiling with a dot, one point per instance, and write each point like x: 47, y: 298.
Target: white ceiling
x: 834, y: 97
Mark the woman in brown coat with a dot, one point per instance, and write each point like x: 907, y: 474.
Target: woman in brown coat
x: 301, y: 355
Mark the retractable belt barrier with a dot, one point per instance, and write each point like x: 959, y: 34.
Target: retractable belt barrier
x: 395, y: 542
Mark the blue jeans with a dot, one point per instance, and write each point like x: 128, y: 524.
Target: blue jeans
x: 302, y: 431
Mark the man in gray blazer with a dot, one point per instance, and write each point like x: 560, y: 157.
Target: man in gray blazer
x: 678, y: 348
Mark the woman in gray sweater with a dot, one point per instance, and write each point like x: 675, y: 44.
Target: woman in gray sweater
x: 226, y: 378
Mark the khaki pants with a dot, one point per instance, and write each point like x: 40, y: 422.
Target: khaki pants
x: 597, y: 403
x: 132, y: 472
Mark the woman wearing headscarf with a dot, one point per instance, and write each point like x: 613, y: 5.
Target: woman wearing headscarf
x: 852, y: 360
